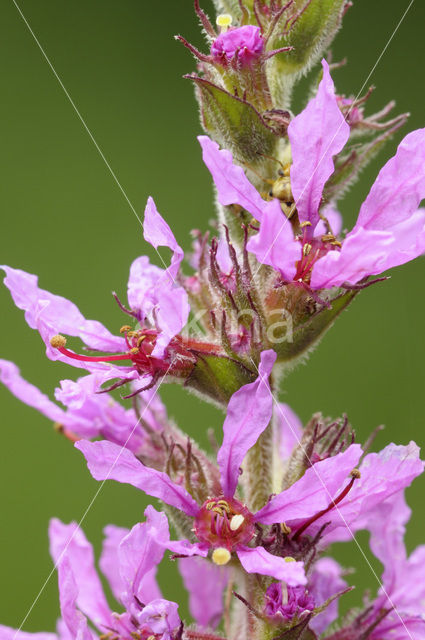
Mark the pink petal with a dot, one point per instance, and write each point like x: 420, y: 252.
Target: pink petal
x: 69, y: 542
x: 399, y: 187
x: 274, y: 244
x: 313, y: 491
x: 382, y: 475
x: 233, y: 187
x: 157, y: 232
x: 109, y: 563
x: 334, y: 218
x: 171, y: 316
x: 205, y: 583
x: 108, y: 461
x: 143, y: 281
x: 364, y: 252
x: 324, y: 582
x: 316, y: 135
x: 290, y: 430
x: 258, y: 560
x: 68, y: 598
x: 28, y: 393
x: 7, y: 633
x: 139, y: 553
x: 57, y: 313
x: 248, y: 413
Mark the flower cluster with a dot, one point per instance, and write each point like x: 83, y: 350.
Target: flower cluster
x: 252, y: 523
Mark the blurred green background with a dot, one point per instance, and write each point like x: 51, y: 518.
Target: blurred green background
x: 64, y: 218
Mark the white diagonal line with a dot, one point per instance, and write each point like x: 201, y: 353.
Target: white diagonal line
x: 83, y: 122
x: 336, y: 507
x: 91, y: 503
x: 337, y: 130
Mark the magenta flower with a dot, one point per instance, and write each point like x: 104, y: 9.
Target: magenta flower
x: 157, y: 304
x: 403, y: 583
x: 238, y: 46
x: 129, y: 560
x: 88, y: 414
x: 390, y: 229
x: 223, y: 524
x: 287, y: 604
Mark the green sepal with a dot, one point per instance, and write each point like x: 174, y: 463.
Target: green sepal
x: 309, y: 328
x: 233, y: 122
x: 309, y: 36
x: 218, y: 377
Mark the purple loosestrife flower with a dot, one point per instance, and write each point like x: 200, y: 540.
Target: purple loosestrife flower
x: 129, y: 560
x: 88, y: 414
x: 238, y: 46
x: 390, y: 229
x: 157, y: 305
x: 223, y: 524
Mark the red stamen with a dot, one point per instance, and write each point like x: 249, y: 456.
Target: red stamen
x: 78, y: 356
x: 355, y: 474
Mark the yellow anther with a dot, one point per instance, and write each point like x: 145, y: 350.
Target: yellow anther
x: 236, y: 522
x: 224, y: 20
x: 58, y: 341
x: 224, y: 504
x: 289, y: 559
x: 131, y: 334
x: 125, y: 328
x: 355, y: 473
x: 140, y: 340
x: 221, y: 556
x: 306, y: 249
x: 328, y: 237
x: 134, y: 351
x: 336, y: 243
x: 58, y: 427
x: 285, y: 529
x: 306, y: 223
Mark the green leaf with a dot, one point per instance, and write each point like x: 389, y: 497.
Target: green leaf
x: 234, y: 123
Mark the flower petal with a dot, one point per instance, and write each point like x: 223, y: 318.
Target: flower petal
x: 382, y: 475
x: 399, y: 187
x: 7, y: 633
x: 26, y: 392
x: 316, y: 135
x: 233, y: 187
x: 69, y: 542
x: 139, y: 553
x: 258, y: 560
x: 143, y: 280
x: 68, y: 598
x: 324, y: 582
x: 108, y: 461
x: 248, y: 413
x: 205, y: 583
x: 159, y: 617
x: 57, y: 313
x: 157, y: 232
x: 109, y: 562
x: 290, y: 430
x: 171, y: 316
x: 313, y: 491
x: 274, y: 244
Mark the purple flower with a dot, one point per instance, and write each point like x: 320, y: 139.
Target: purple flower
x: 288, y: 602
x: 129, y: 559
x: 325, y: 581
x: 223, y: 524
x: 238, y: 46
x: 159, y: 309
x: 89, y: 414
x: 390, y: 229
x: 403, y: 583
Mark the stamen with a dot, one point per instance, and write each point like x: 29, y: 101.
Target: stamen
x: 285, y: 529
x: 355, y: 474
x: 306, y: 223
x: 221, y: 556
x: 236, y: 522
x: 59, y: 342
x: 224, y: 21
x: 289, y: 559
x: 306, y: 249
x: 125, y: 328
